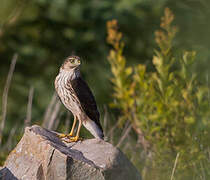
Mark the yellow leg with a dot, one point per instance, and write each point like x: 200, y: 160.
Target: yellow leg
x: 72, y: 130
x: 73, y: 126
x: 79, y: 127
x: 76, y: 138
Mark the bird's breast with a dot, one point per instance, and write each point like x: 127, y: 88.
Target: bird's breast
x: 67, y: 94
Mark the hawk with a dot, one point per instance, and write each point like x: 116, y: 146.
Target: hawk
x: 77, y: 97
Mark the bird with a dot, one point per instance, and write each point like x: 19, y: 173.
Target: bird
x: 77, y: 97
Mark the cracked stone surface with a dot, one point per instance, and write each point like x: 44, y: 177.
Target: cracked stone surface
x: 41, y: 155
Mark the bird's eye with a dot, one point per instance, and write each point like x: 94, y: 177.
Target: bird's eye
x: 72, y: 60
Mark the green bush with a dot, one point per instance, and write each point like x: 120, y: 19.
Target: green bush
x: 167, y: 107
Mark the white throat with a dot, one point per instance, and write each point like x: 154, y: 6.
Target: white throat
x: 72, y: 73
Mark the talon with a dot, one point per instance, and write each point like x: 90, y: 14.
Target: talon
x: 61, y: 135
x: 64, y: 135
x: 73, y: 139
x: 70, y: 135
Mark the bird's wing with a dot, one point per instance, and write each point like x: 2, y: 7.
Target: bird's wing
x: 86, y: 99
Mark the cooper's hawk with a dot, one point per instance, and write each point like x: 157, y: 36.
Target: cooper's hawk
x: 78, y: 98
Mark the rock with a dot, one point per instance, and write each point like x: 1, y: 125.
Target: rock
x: 5, y: 174
x: 41, y: 155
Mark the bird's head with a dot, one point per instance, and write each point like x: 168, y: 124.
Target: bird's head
x: 71, y: 63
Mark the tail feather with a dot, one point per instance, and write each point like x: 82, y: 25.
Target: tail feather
x: 94, y: 129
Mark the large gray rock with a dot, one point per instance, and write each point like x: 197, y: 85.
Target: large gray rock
x: 41, y: 155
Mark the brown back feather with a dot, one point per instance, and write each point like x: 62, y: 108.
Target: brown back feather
x: 86, y: 99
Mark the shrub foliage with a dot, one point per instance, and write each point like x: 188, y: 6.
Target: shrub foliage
x: 168, y: 107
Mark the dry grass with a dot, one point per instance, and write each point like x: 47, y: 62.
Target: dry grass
x: 5, y: 95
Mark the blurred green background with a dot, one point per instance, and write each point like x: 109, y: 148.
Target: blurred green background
x: 44, y: 32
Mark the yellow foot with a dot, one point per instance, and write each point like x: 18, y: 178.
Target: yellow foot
x: 64, y: 135
x: 73, y: 139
